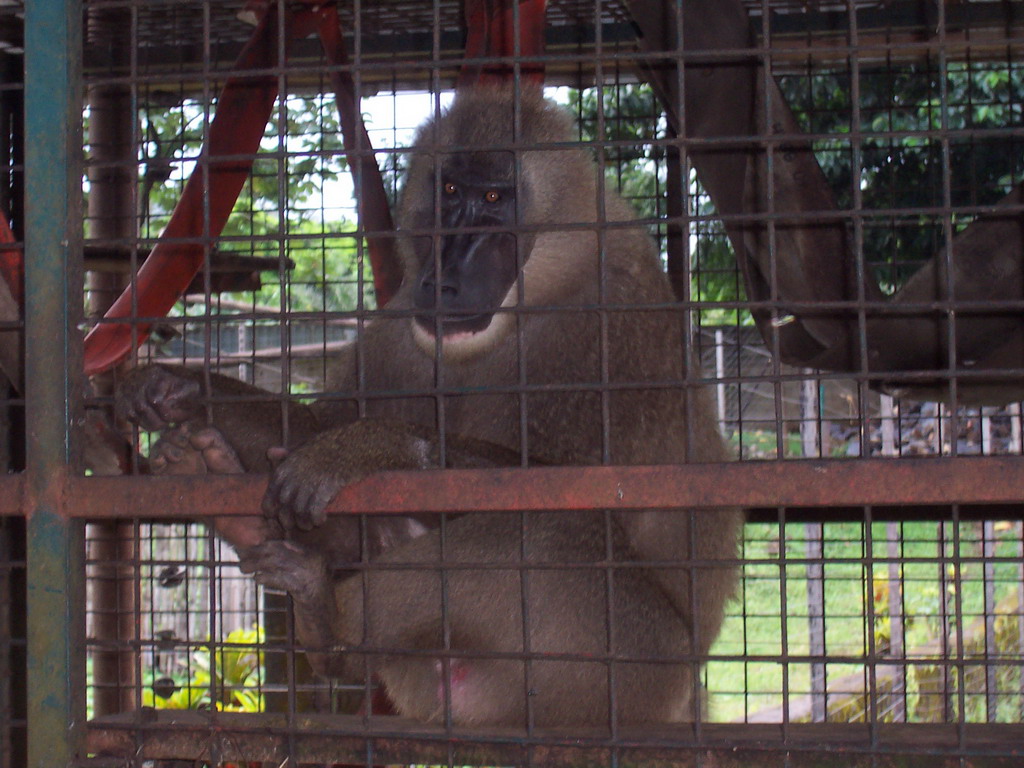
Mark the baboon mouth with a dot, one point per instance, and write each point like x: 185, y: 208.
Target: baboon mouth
x: 454, y: 327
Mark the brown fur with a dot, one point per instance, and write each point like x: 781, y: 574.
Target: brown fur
x: 666, y: 612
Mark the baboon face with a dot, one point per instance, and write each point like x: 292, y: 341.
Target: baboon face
x: 468, y: 271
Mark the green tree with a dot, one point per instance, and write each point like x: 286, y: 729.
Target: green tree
x: 632, y: 119
x: 280, y: 211
x: 908, y: 115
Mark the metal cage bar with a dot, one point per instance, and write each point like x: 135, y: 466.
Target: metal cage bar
x: 57, y: 499
x: 56, y: 578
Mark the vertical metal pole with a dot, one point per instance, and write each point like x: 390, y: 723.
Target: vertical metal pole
x: 720, y: 373
x: 111, y: 216
x: 991, y: 646
x: 1020, y: 616
x: 893, y: 536
x: 53, y: 233
x: 947, y: 608
x: 814, y: 547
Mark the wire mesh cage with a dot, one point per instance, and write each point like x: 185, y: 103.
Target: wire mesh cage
x: 759, y: 256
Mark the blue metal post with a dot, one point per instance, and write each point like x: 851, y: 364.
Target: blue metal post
x: 53, y: 235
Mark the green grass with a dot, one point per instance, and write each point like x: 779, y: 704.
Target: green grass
x: 856, y: 619
x: 767, y: 626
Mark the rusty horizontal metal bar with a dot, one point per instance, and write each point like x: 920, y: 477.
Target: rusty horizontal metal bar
x: 349, y: 739
x: 803, y: 483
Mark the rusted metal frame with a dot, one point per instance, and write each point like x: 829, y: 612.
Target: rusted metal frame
x: 53, y: 232
x: 803, y: 483
x: 504, y: 39
x: 328, y: 739
x: 246, y: 102
x: 880, y: 48
x: 611, y: 577
x: 990, y: 33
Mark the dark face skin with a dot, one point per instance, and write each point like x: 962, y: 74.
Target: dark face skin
x: 460, y: 291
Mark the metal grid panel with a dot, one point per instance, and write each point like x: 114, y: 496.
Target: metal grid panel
x: 904, y: 619
x: 859, y: 621
x: 176, y: 37
x: 162, y: 22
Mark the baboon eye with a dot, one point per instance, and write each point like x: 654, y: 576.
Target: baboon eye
x: 492, y: 196
x: 450, y: 189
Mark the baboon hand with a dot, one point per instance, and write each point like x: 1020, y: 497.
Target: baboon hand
x: 155, y: 397
x: 289, y: 567
x: 304, y: 483
x: 301, y: 487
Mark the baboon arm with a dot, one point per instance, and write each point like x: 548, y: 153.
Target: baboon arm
x: 305, y: 482
x: 303, y: 573
x: 157, y: 397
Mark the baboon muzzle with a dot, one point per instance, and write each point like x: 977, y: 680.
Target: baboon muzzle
x: 462, y: 293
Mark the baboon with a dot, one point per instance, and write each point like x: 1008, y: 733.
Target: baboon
x: 540, y: 318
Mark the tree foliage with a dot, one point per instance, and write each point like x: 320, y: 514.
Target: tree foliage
x: 280, y: 211
x: 914, y: 129
x: 624, y: 129
x: 886, y: 158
